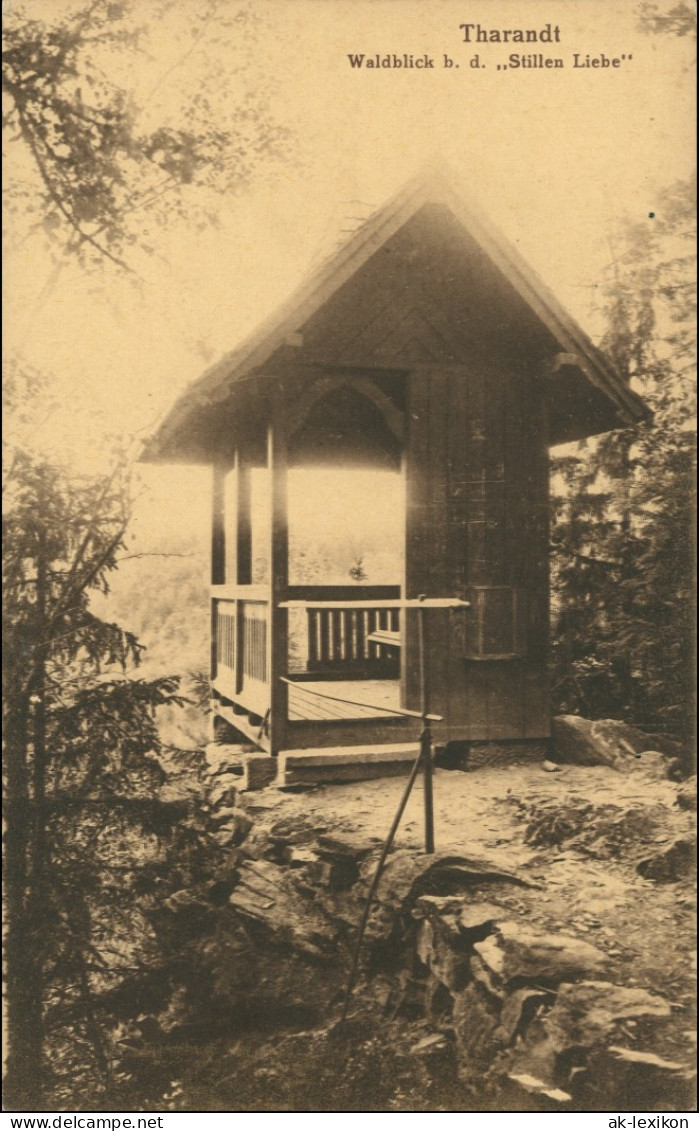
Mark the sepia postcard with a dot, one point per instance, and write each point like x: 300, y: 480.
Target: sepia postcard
x: 349, y: 567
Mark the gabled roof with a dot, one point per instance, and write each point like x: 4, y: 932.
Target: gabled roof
x: 577, y: 351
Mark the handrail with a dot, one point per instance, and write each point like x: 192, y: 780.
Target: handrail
x: 398, y: 603
x: 239, y: 592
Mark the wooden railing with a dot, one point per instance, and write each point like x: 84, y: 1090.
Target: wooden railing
x: 240, y: 623
x: 224, y: 635
x: 253, y: 640
x: 352, y: 642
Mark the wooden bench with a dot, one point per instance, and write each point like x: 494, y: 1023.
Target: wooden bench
x: 385, y: 636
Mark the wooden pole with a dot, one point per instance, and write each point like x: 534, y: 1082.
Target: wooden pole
x: 218, y: 533
x: 375, y: 883
x: 278, y: 633
x: 426, y: 738
x: 243, y: 520
x: 218, y: 554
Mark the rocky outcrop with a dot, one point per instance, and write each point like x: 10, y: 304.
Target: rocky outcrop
x: 491, y: 1007
x: 569, y: 1049
x: 516, y: 956
x: 687, y: 794
x: 609, y: 742
x: 675, y: 862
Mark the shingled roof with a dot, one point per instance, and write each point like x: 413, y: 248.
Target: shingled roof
x: 592, y: 374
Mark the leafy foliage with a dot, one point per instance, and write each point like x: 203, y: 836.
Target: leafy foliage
x: 679, y: 19
x: 623, y: 566
x: 88, y: 824
x: 103, y: 157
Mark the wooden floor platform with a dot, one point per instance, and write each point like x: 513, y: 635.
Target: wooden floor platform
x: 367, y: 699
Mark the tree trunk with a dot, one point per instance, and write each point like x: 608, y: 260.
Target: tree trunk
x: 25, y: 861
x: 23, y: 981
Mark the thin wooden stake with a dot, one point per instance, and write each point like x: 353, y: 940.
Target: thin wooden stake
x: 426, y: 738
x: 375, y: 882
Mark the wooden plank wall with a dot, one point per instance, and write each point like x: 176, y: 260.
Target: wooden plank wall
x: 477, y: 507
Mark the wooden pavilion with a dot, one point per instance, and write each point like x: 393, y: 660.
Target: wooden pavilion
x: 426, y: 345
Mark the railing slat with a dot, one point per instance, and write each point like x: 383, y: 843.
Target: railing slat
x: 336, y: 621
x: 360, y: 652
x: 312, y: 636
x: 225, y: 635
x: 253, y: 640
x: 325, y: 634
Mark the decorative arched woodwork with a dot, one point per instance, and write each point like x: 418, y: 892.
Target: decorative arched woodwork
x: 346, y: 421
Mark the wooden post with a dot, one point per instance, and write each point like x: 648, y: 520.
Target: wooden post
x: 218, y: 551
x: 426, y: 736
x: 277, y: 638
x: 243, y: 520
x: 218, y: 533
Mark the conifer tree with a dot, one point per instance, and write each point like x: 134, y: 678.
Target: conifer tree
x: 623, y: 538
x: 82, y: 766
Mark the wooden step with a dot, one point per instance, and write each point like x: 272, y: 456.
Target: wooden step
x: 344, y: 763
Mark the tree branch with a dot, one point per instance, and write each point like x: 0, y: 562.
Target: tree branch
x: 85, y: 237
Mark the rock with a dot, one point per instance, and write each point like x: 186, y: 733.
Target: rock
x: 643, y: 1080
x: 484, y: 976
x: 266, y: 894
x: 439, y: 948
x: 630, y: 738
x: 344, y: 846
x: 297, y: 832
x: 603, y: 831
x: 184, y: 915
x: 256, y: 842
x: 477, y: 920
x: 296, y: 856
x: 517, y: 956
x: 227, y: 815
x: 260, y: 770
x: 410, y: 996
x: 410, y: 875
x: 539, y: 1087
x: 184, y: 902
x: 234, y: 827
x: 475, y: 1020
x: 459, y: 872
x: 343, y: 854
x: 319, y: 873
x: 654, y: 765
x: 218, y: 891
x: 676, y: 862
x: 428, y: 905
x: 588, y: 1012
x: 568, y: 1046
x: 647, y: 1059
x: 222, y: 791
x: 518, y: 1010
x: 429, y: 1045
x: 687, y: 794
x: 256, y: 972
x: 294, y: 830
x: 550, y: 767
x: 581, y: 742
x: 608, y: 742
x: 180, y: 790
x: 223, y: 758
